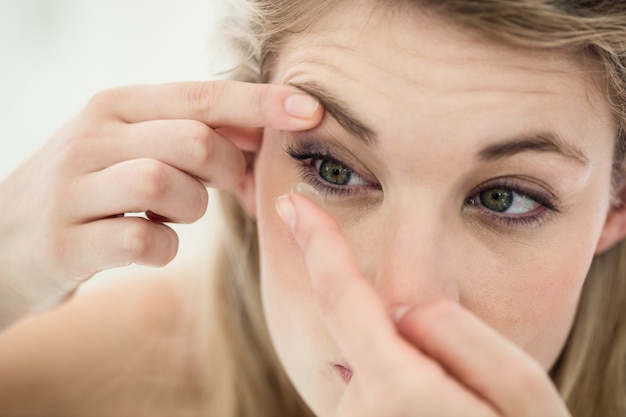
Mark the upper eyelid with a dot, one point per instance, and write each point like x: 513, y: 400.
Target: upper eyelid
x: 335, y: 153
x: 339, y: 162
x: 303, y: 143
x: 547, y: 199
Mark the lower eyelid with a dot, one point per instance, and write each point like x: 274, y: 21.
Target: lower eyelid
x: 535, y: 218
x: 510, y: 222
x: 524, y: 222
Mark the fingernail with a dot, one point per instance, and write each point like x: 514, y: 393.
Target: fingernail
x: 286, y: 210
x: 398, y: 312
x: 302, y: 106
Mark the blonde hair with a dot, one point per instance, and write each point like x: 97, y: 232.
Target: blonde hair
x: 591, y: 371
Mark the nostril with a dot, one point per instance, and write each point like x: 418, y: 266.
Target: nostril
x: 345, y: 372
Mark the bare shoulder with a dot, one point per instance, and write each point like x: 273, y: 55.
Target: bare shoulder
x: 121, y: 348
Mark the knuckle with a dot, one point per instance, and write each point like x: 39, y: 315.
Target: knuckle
x: 201, y: 146
x: 77, y: 150
x: 150, y: 180
x: 81, y: 144
x: 201, y: 96
x: 102, y: 101
x: 136, y: 239
x: 94, y: 132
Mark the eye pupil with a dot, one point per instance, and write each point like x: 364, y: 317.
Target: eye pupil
x: 497, y: 199
x: 335, y: 173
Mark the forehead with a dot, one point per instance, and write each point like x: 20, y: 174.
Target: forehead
x: 388, y: 64
x: 420, y: 48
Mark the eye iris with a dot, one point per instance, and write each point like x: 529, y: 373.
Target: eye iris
x: 497, y: 199
x: 335, y: 173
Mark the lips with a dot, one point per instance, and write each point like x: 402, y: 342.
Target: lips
x: 344, y: 372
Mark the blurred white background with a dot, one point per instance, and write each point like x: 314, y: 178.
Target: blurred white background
x: 56, y: 54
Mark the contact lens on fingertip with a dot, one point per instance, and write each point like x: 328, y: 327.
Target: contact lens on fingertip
x: 308, y: 191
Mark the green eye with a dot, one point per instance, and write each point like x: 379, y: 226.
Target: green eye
x: 497, y: 199
x: 335, y: 173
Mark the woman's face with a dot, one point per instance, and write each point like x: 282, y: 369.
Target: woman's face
x: 455, y: 168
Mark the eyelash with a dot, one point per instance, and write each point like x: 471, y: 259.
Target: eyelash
x: 307, y: 157
x: 547, y: 204
x: 311, y: 153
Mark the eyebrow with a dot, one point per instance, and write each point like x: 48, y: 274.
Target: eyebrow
x: 541, y: 142
x: 340, y: 111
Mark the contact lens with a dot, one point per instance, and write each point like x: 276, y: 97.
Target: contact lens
x: 310, y: 192
x: 346, y: 211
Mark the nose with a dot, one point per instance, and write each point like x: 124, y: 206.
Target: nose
x: 411, y: 260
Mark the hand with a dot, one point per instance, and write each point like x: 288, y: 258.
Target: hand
x: 150, y: 149
x: 435, y: 359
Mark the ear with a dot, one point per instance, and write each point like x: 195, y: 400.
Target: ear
x: 614, y: 229
x: 246, y: 190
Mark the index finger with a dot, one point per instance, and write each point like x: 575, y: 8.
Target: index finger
x: 217, y: 103
x: 477, y: 355
x: 352, y: 310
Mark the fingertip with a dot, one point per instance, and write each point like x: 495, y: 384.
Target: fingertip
x: 302, y: 197
x: 150, y: 243
x: 286, y: 210
x: 165, y: 249
x: 302, y: 106
x: 303, y: 110
x: 304, y: 218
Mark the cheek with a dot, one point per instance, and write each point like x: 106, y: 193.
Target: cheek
x: 284, y: 280
x: 526, y: 290
x: 533, y: 289
x: 285, y: 288
x: 531, y: 295
x: 282, y: 262
x: 281, y: 259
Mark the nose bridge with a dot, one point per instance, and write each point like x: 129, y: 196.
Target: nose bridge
x: 410, y: 264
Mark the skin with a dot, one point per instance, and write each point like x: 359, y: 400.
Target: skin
x: 151, y: 149
x: 422, y: 296
x: 360, y: 283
